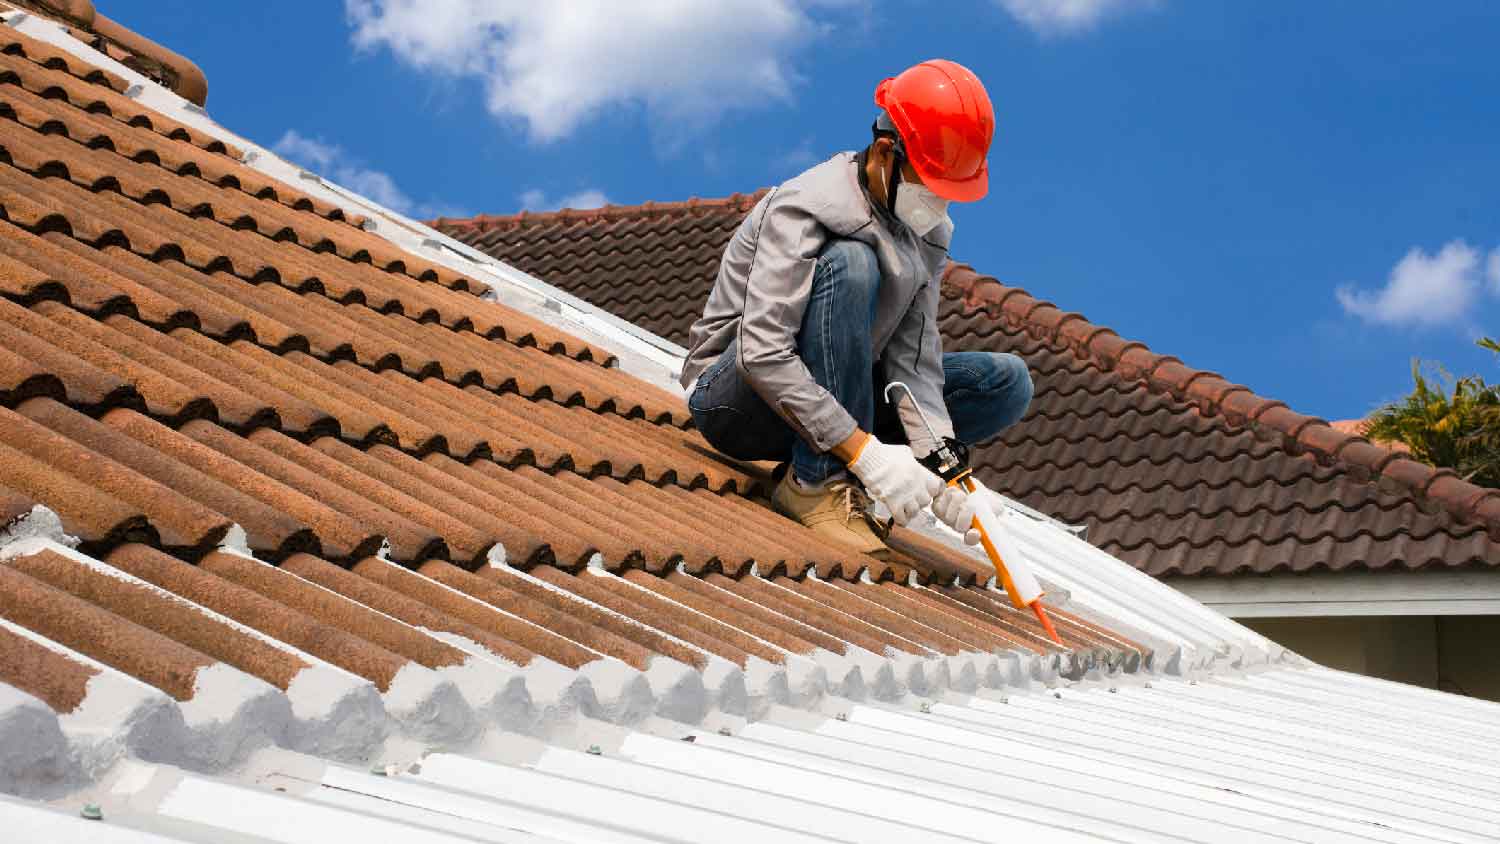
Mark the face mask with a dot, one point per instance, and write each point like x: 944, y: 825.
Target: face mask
x: 916, y: 206
x: 920, y: 208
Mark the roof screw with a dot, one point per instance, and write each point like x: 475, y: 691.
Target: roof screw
x: 842, y: 716
x: 1057, y: 695
x: 595, y: 750
x: 689, y: 739
x: 1113, y: 690
x: 378, y: 770
x: 725, y: 731
x: 1148, y: 684
x: 1192, y: 682
x: 1004, y: 699
x: 416, y: 768
x: 925, y: 707
x: 91, y: 812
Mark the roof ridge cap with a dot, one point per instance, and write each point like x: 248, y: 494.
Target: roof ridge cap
x: 1212, y: 394
x: 484, y: 222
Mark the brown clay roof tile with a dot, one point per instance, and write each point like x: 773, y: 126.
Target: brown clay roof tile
x: 320, y: 637
x: 155, y: 609
x: 56, y: 679
x: 99, y: 634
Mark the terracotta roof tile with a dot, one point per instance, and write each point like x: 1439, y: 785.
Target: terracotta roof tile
x: 117, y: 642
x: 1120, y: 438
x: 271, y: 528
x: 320, y: 637
x: 53, y: 677
x: 396, y: 605
x: 314, y: 601
x: 158, y: 610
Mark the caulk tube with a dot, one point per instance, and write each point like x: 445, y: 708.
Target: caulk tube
x: 1015, y: 573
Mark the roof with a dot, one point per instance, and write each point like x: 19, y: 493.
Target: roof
x: 1173, y: 469
x: 305, y: 534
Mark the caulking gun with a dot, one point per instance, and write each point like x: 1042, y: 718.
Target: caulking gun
x: 1010, y: 567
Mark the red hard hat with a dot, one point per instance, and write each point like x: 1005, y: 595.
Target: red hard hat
x: 946, y: 122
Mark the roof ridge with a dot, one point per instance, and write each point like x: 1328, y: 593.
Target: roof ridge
x: 737, y: 201
x: 1212, y: 394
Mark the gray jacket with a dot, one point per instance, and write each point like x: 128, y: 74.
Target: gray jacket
x: 765, y: 279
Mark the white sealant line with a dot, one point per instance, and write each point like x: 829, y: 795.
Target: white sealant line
x: 759, y: 685
x: 673, y: 689
x: 610, y: 688
x: 843, y: 674
x: 37, y: 523
x: 491, y: 684
x: 336, y: 712
x: 36, y: 760
x: 119, y: 714
x: 1153, y: 602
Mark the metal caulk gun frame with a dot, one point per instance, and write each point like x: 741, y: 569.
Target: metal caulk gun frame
x: 1024, y: 590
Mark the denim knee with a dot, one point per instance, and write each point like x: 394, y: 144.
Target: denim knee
x: 855, y: 261
x: 986, y: 393
x: 1011, y: 386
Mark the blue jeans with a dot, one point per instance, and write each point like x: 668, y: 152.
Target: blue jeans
x: 985, y: 392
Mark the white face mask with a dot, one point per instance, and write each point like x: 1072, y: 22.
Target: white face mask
x: 920, y: 208
x: 916, y: 206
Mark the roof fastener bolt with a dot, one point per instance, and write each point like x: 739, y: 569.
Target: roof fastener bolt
x: 1148, y: 684
x: 378, y: 770
x: 842, y: 716
x: 91, y: 812
x: 1192, y: 682
x: 1004, y: 699
x: 1114, y: 690
x: 595, y: 750
x: 925, y: 707
x: 1057, y: 695
x: 689, y: 739
x: 725, y: 731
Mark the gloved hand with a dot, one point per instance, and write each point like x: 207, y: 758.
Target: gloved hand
x: 892, y: 476
x: 955, y: 508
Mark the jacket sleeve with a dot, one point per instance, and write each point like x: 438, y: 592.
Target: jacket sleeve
x: 914, y: 357
x: 779, y: 282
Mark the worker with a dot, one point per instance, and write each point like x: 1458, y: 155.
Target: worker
x: 829, y: 291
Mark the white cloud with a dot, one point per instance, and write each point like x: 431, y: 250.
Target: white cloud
x: 556, y: 65
x: 1493, y: 271
x: 535, y: 200
x: 332, y: 161
x: 1062, y: 17
x: 796, y: 159
x: 1423, y: 289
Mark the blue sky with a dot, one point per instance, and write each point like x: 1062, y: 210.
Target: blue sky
x: 1302, y: 197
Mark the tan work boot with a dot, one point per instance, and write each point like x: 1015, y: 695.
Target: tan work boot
x: 836, y: 512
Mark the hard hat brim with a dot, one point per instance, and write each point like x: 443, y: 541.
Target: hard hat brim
x: 971, y: 189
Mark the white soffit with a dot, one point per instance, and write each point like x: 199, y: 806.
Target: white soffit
x: 1360, y: 593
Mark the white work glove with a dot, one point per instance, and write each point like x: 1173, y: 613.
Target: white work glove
x: 955, y: 508
x: 892, y: 476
